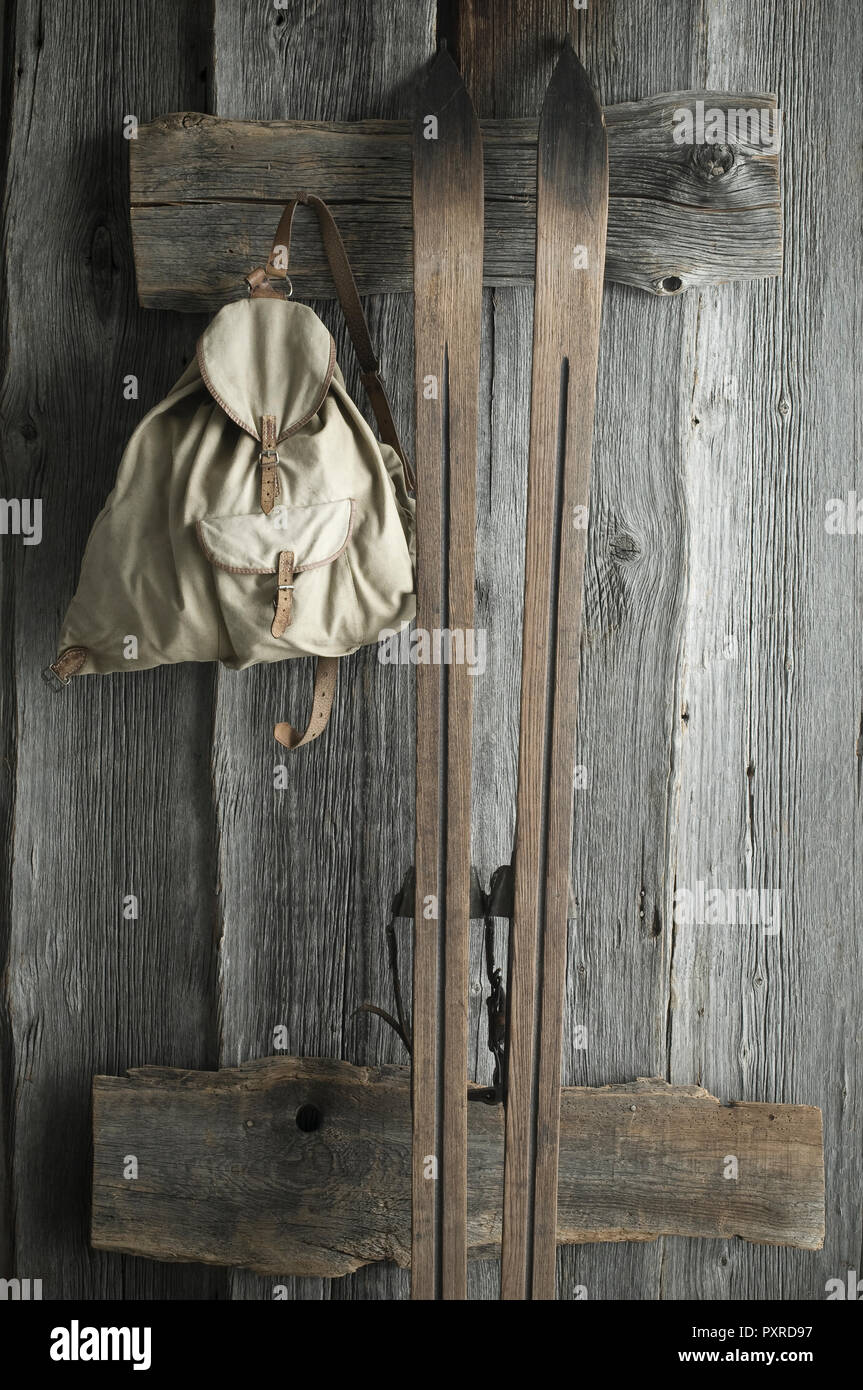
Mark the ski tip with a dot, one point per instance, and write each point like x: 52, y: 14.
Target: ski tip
x: 442, y: 67
x: 571, y: 85
x: 569, y: 67
x: 442, y: 86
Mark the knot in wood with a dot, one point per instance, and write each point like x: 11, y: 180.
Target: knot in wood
x: 712, y: 161
x: 624, y: 547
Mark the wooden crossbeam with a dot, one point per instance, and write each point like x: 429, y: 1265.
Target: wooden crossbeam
x: 302, y: 1166
x: 203, y: 191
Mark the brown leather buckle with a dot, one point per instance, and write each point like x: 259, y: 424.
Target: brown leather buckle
x: 276, y: 599
x: 54, y: 680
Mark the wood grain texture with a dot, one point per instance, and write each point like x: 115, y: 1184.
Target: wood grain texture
x: 227, y: 1176
x: 769, y: 373
x: 203, y: 191
x: 652, y: 510
x: 617, y: 981
x: 772, y: 662
x: 572, y: 197
x: 106, y: 789
x: 623, y: 873
x: 448, y: 249
x: 308, y: 871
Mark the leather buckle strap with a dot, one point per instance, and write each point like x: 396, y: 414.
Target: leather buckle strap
x: 283, y: 603
x: 269, y: 459
x: 54, y: 681
x: 67, y: 665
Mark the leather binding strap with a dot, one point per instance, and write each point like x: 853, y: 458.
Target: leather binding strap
x: 284, y: 601
x: 349, y: 298
x: 326, y: 674
x: 270, y: 486
x: 260, y: 287
x: 67, y: 665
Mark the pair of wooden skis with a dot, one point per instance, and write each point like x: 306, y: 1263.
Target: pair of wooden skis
x: 572, y: 196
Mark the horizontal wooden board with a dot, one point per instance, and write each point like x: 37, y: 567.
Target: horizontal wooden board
x: 205, y: 193
x: 227, y: 1176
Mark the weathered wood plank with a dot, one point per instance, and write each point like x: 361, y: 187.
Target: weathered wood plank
x: 203, y: 192
x: 227, y: 1174
x: 799, y: 414
x: 772, y: 663
x: 106, y: 788
x: 190, y: 157
x: 308, y: 870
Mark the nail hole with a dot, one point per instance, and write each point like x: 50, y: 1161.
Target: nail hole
x: 672, y: 283
x: 308, y: 1118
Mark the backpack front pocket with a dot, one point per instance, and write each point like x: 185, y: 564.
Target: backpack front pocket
x: 284, y: 581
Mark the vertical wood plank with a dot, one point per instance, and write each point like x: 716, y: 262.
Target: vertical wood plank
x: 106, y: 788
x: 308, y: 872
x: 623, y: 877
x: 772, y: 669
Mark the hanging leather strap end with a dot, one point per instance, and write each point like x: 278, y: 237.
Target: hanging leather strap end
x: 326, y: 675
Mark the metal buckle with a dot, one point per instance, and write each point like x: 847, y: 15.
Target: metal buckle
x: 288, y: 292
x: 54, y: 680
x: 276, y: 599
x: 269, y: 456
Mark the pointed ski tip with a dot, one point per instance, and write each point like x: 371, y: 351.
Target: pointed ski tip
x: 443, y: 65
x: 569, y: 61
x: 570, y: 83
x: 441, y: 81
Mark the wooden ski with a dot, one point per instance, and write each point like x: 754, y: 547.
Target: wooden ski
x: 572, y: 203
x: 448, y: 248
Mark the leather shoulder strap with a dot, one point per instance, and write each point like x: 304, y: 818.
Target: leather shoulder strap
x: 346, y: 288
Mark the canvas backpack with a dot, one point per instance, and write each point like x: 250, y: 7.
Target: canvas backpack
x: 255, y: 516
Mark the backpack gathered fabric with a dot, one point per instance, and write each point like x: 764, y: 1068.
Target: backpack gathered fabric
x: 255, y: 516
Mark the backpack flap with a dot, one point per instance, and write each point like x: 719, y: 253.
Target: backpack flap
x: 284, y: 580
x: 265, y: 357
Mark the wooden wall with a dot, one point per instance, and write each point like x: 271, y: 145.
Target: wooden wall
x: 720, y: 707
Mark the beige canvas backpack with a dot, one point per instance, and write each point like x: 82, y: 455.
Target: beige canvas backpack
x: 255, y: 516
